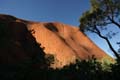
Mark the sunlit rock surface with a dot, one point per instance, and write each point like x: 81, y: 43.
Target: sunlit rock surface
x: 65, y: 42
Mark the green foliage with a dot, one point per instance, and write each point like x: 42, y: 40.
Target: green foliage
x: 102, y: 13
x: 82, y: 70
x: 106, y: 65
x: 49, y: 59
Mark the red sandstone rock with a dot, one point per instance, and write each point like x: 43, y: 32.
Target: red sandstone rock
x: 65, y: 42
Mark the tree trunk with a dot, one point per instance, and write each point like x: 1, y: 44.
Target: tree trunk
x: 108, y: 42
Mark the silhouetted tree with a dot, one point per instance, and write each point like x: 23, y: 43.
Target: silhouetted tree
x: 101, y: 14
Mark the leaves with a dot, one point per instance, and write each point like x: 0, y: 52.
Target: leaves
x: 102, y: 13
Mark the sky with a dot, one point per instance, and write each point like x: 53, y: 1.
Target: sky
x: 65, y: 11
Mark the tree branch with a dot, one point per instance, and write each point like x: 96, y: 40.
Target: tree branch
x: 114, y: 22
x: 108, y: 42
x: 109, y: 7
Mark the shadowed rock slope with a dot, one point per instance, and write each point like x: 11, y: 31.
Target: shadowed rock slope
x: 65, y: 42
x: 17, y: 43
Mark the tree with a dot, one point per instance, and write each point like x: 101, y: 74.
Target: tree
x: 101, y: 14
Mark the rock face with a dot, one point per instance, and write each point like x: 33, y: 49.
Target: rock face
x: 65, y: 42
x: 17, y: 43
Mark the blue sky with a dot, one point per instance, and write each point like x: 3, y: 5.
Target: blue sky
x: 65, y: 11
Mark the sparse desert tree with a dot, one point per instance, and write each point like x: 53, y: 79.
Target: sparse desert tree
x: 101, y: 14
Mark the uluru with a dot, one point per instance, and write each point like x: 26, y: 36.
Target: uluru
x: 65, y: 42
